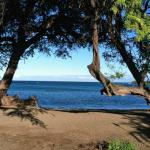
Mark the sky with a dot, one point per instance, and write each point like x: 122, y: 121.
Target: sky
x: 50, y: 68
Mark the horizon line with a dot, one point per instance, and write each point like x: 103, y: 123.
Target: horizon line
x: 62, y: 81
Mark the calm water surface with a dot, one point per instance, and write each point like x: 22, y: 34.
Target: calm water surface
x: 74, y: 95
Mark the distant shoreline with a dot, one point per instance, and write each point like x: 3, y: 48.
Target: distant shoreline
x: 63, y: 81
x: 52, y: 81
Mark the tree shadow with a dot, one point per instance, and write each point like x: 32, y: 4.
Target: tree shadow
x: 25, y: 113
x: 140, y: 122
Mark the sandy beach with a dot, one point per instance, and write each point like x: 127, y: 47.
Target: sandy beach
x: 74, y: 131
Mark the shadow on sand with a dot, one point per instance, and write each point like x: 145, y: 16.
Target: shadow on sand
x: 139, y: 120
x: 25, y: 113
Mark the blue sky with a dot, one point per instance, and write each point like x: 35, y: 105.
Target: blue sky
x: 44, y: 68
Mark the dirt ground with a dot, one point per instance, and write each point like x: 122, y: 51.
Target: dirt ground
x: 75, y: 131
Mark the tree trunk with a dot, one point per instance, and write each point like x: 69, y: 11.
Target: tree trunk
x: 94, y: 68
x: 10, y: 71
x: 127, y: 58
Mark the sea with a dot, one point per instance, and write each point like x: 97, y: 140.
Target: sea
x: 75, y: 96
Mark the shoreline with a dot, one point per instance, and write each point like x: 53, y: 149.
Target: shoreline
x: 81, y: 110
x: 95, y: 110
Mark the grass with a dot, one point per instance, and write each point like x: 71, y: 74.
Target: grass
x: 120, y: 145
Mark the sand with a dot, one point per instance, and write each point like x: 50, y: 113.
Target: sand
x: 74, y: 131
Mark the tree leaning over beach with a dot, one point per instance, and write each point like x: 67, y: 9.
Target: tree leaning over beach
x: 34, y: 26
x: 39, y: 26
x: 129, y: 33
x: 123, y: 27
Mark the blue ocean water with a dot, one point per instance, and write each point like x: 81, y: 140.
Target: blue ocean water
x: 74, y: 95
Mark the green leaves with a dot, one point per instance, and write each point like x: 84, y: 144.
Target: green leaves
x: 139, y: 23
x: 117, y: 75
x: 115, y: 9
x: 120, y: 145
x: 114, y: 73
x: 135, y: 19
x: 116, y: 4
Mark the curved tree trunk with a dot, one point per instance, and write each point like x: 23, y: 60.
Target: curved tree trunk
x: 94, y: 68
x: 9, y: 73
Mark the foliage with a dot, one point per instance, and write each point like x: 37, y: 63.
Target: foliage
x: 117, y: 75
x: 114, y: 73
x: 72, y: 27
x: 138, y: 20
x: 120, y: 145
x: 39, y: 26
x: 58, y: 26
x: 133, y: 29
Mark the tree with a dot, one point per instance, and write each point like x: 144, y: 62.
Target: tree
x: 31, y: 26
x: 122, y: 22
x: 123, y: 27
x: 39, y: 25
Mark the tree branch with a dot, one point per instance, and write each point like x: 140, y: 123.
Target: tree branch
x: 146, y: 6
x: 7, y: 39
x: 42, y: 30
x: 109, y: 88
x: 116, y: 40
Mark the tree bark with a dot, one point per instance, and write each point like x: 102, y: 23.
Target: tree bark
x: 10, y: 71
x: 111, y: 89
x: 94, y: 67
x: 115, y: 37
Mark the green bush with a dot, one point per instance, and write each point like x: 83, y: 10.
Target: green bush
x: 120, y: 145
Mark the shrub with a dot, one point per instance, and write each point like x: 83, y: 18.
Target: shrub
x: 120, y: 145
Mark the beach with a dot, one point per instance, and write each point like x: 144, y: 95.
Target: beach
x: 75, y: 131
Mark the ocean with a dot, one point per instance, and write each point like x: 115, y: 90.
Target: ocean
x: 74, y: 96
